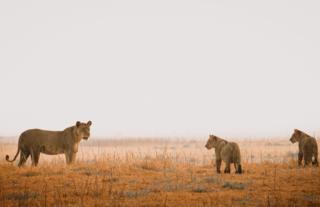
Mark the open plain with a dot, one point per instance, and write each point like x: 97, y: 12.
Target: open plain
x: 160, y: 172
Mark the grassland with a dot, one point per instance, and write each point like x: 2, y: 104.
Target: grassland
x: 160, y: 172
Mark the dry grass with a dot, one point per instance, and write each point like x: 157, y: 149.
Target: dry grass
x: 159, y: 172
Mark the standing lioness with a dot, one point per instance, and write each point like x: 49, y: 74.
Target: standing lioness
x: 229, y: 152
x: 34, y: 141
x: 308, y: 147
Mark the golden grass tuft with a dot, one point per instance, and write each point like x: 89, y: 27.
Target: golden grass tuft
x: 160, y: 173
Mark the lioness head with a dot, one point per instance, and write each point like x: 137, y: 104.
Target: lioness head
x: 295, y: 136
x: 83, y: 129
x: 212, y: 142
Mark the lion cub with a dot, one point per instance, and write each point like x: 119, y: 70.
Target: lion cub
x: 308, y: 147
x: 229, y: 152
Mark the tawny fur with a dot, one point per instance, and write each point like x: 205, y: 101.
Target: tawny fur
x: 228, y: 152
x: 308, y: 147
x: 32, y: 142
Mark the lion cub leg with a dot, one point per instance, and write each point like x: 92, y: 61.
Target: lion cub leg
x: 227, y: 168
x: 218, y: 164
x: 238, y: 168
x: 307, y: 158
x: 315, y: 162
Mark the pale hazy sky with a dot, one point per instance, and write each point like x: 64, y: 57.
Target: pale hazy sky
x: 161, y: 68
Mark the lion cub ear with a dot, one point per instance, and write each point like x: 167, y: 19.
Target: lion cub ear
x: 78, y: 123
x: 89, y: 123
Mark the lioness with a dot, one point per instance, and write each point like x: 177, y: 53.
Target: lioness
x: 229, y: 152
x: 308, y: 147
x: 34, y: 141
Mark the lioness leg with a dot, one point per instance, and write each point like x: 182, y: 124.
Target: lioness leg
x: 218, y: 164
x: 315, y: 162
x: 300, y: 156
x: 23, y: 157
x: 72, y: 157
x: 227, y: 168
x: 67, y: 157
x: 33, y: 154
x: 36, y: 157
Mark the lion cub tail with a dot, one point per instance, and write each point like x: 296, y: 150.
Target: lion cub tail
x: 15, y: 157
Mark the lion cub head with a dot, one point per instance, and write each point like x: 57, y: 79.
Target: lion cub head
x: 295, y: 137
x: 83, y: 129
x: 212, y: 142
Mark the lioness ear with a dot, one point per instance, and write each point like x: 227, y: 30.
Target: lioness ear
x: 214, y: 138
x: 89, y: 123
x: 297, y: 131
x: 78, y: 123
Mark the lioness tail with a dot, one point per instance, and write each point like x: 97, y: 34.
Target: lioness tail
x: 15, y: 157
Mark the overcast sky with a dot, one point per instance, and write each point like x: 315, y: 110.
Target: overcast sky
x: 161, y: 68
